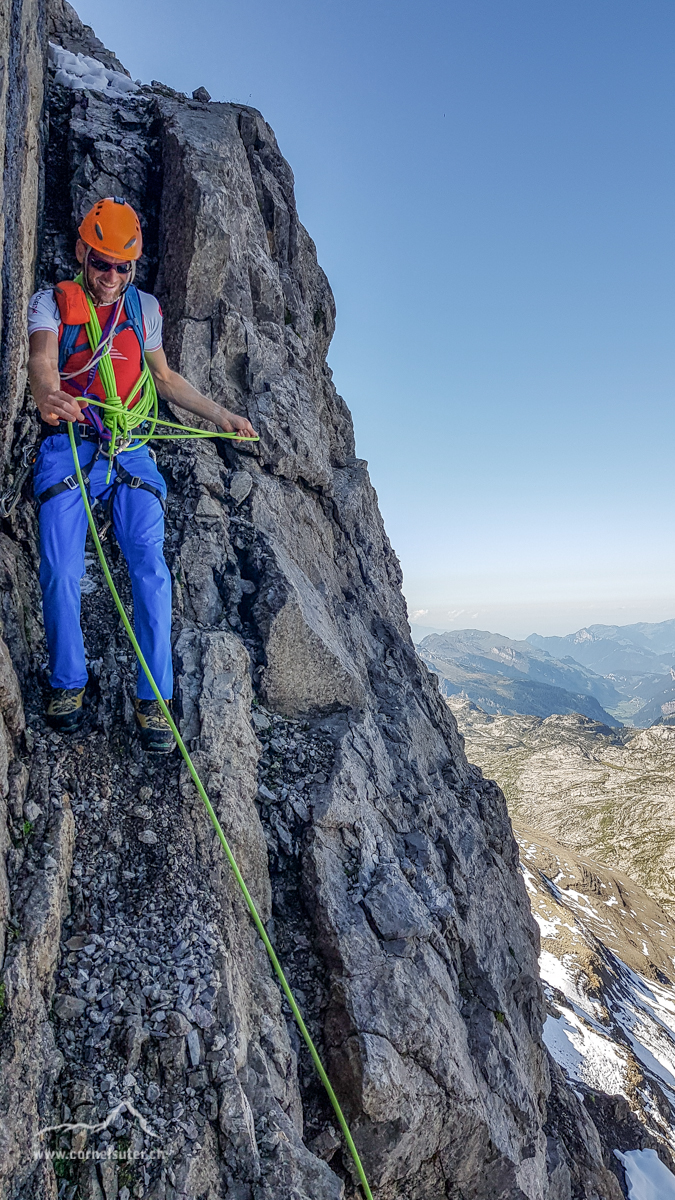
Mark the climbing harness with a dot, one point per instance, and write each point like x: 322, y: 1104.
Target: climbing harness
x: 122, y: 476
x: 221, y: 836
x: 10, y: 498
x: 132, y: 481
x: 69, y: 484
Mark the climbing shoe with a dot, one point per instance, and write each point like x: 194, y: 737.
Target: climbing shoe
x: 64, y: 710
x: 156, y: 735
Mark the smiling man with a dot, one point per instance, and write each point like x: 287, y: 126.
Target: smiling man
x: 64, y: 373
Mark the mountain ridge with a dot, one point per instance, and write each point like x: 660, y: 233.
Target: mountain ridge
x: 382, y: 862
x: 632, y: 683
x: 639, y: 659
x: 643, y: 646
x: 502, y: 675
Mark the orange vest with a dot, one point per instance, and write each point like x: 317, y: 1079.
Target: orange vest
x: 125, y: 356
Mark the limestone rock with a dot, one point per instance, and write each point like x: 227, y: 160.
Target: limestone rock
x: 606, y: 793
x: 22, y: 54
x: 179, y: 1024
x: 382, y: 863
x: 67, y: 29
x: 68, y: 1007
x: 240, y: 486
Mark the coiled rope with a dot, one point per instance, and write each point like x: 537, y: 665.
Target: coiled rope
x: 221, y: 836
x: 119, y: 417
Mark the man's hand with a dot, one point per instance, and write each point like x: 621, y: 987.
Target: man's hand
x: 59, y: 406
x: 231, y: 423
x: 172, y: 386
x: 43, y: 373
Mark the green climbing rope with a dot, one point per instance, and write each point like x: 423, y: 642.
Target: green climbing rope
x: 119, y: 416
x: 223, y: 840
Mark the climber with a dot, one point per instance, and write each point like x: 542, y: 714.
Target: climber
x: 64, y: 372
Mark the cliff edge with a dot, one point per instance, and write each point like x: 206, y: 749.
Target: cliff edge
x: 136, y: 997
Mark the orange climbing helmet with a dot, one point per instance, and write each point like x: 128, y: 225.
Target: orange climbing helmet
x: 112, y: 227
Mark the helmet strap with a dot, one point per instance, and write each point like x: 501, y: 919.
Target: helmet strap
x: 131, y: 277
x: 85, y: 271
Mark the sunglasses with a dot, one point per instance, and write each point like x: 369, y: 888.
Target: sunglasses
x: 99, y: 264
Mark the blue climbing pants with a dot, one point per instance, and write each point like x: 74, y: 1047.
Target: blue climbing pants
x: 138, y: 522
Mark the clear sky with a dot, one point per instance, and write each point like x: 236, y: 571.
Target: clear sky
x: 490, y: 187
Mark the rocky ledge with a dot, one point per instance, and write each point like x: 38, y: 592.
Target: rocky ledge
x: 136, y: 996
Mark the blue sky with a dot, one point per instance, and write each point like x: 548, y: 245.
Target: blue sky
x: 489, y: 184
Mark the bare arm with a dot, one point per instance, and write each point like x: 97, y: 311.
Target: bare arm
x: 45, y: 384
x: 172, y: 386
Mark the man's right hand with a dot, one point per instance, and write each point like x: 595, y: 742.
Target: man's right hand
x: 59, y: 406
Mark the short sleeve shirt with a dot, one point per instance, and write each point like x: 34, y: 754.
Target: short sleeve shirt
x: 43, y: 313
x: 125, y: 353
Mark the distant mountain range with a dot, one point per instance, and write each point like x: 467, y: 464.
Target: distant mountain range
x: 611, y: 673
x: 503, y: 676
x: 639, y: 659
x: 616, y: 649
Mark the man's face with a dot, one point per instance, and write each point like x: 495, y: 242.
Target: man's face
x: 104, y: 281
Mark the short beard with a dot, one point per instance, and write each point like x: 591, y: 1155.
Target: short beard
x: 89, y: 289
x: 97, y: 298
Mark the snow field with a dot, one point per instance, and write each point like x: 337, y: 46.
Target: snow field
x: 584, y: 1055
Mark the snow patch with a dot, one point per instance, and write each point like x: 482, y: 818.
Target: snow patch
x: 82, y: 71
x: 582, y: 902
x: 557, y: 973
x: 547, y: 928
x: 584, y: 1055
x: 561, y: 1047
x: 529, y: 880
x: 646, y: 1176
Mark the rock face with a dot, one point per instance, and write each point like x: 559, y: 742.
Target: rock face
x: 22, y: 72
x: 139, y: 1005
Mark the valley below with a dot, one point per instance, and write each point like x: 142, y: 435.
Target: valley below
x: 607, y: 966
x: 593, y: 812
x: 608, y: 793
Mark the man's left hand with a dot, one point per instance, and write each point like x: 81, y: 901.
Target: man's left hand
x: 171, y: 386
x: 231, y: 423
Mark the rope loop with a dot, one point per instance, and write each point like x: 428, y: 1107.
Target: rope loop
x: 119, y: 417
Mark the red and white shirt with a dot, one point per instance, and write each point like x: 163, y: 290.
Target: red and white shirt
x: 43, y: 313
